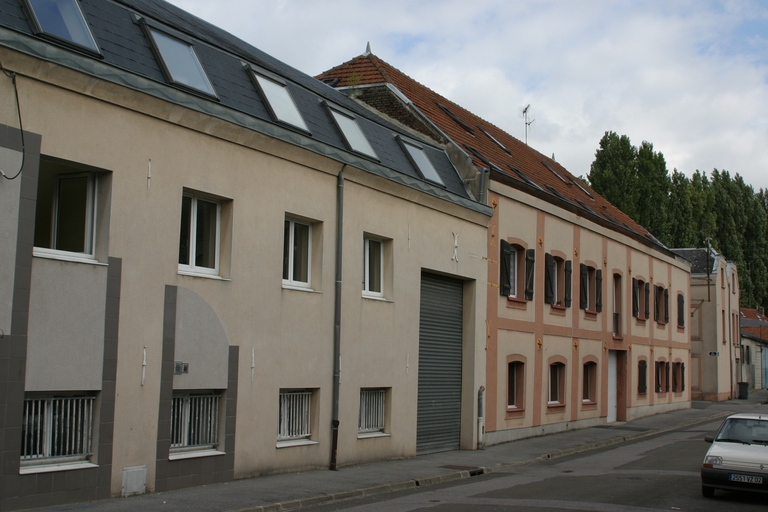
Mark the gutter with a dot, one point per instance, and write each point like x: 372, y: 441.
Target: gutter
x: 337, y: 320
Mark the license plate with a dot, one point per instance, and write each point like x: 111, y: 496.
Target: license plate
x: 745, y: 479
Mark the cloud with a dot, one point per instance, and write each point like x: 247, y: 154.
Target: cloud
x: 689, y: 76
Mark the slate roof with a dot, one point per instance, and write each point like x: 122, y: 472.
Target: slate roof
x: 751, y: 319
x: 515, y: 163
x: 698, y: 259
x: 124, y: 46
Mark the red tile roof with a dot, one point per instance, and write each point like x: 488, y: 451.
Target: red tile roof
x: 756, y: 331
x: 471, y: 133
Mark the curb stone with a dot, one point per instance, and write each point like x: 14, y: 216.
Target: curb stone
x: 460, y: 475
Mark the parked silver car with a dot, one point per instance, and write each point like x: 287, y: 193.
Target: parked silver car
x: 738, y: 457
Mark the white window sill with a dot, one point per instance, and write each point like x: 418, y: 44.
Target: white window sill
x: 288, y: 286
x: 192, y: 273
x: 379, y: 298
x: 61, y: 466
x: 73, y: 257
x: 295, y: 442
x: 193, y: 454
x: 370, y: 435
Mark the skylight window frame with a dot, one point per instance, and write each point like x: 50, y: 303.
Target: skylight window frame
x: 554, y: 172
x: 404, y: 144
x: 525, y: 178
x: 37, y: 28
x: 255, y: 72
x: 335, y: 109
x: 576, y: 182
x: 457, y: 120
x: 504, y: 148
x: 148, y: 26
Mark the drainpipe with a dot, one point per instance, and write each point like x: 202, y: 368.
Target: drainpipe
x: 482, y: 185
x: 480, y: 419
x: 337, y: 319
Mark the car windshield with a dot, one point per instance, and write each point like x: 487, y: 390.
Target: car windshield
x: 747, y: 431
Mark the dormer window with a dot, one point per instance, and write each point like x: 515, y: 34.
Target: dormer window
x: 420, y: 161
x: 178, y: 60
x: 351, y: 131
x: 274, y: 91
x: 61, y: 20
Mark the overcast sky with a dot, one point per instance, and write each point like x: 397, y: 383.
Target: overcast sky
x: 691, y: 77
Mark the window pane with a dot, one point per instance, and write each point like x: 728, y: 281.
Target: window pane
x: 287, y: 250
x: 301, y: 253
x: 71, y: 214
x: 62, y: 18
x: 205, y: 235
x: 353, y: 134
x: 281, y: 102
x: 182, y: 62
x: 374, y: 266
x: 186, y: 213
x: 422, y: 162
x: 553, y: 383
x: 513, y: 273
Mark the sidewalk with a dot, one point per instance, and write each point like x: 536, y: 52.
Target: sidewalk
x: 295, y: 490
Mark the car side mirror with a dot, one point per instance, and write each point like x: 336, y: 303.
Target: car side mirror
x: 709, y: 439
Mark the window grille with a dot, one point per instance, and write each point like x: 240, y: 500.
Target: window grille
x: 371, y: 410
x: 195, y: 421
x: 294, y: 415
x: 57, y: 428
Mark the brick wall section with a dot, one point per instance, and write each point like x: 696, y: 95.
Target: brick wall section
x: 45, y: 489
x: 383, y: 100
x: 178, y: 474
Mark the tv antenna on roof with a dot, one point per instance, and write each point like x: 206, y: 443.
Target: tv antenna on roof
x: 524, y: 113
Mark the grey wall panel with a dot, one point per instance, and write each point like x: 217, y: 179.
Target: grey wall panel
x: 65, y: 347
x: 440, y: 364
x: 201, y: 342
x: 9, y: 223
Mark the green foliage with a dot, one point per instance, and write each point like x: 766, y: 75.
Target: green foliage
x: 683, y: 212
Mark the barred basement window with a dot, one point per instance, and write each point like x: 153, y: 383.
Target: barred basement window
x: 57, y: 429
x: 372, y: 404
x: 194, y: 421
x: 294, y: 417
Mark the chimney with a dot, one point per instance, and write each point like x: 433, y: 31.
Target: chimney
x: 761, y: 310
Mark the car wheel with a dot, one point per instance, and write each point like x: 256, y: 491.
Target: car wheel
x: 708, y: 492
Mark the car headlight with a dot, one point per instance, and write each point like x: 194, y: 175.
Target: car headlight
x: 712, y: 460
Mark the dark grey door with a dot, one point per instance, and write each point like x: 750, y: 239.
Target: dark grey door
x: 439, y: 404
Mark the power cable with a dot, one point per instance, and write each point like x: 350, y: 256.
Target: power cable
x: 12, y: 76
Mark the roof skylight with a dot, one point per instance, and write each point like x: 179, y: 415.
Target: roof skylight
x: 420, y: 161
x: 478, y: 154
x: 576, y: 182
x: 62, y: 20
x: 453, y: 116
x: 351, y: 132
x: 179, y: 61
x: 525, y: 178
x: 555, y: 173
x: 278, y: 98
x: 496, y: 141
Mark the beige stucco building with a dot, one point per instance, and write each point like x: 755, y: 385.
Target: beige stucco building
x: 217, y: 267
x: 587, y: 312
x: 715, y: 332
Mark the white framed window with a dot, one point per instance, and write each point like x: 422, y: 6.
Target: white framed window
x: 589, y: 382
x: 373, y: 268
x: 294, y: 418
x: 372, y: 410
x: 56, y: 429
x: 513, y: 271
x: 351, y: 132
x: 178, y: 60
x: 515, y: 385
x: 556, y: 384
x: 194, y: 421
x: 297, y: 253
x: 62, y: 20
x: 277, y: 97
x: 199, y: 235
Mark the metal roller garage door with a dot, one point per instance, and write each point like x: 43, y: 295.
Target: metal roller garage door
x: 438, y: 425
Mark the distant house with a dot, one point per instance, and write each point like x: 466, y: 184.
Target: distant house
x: 754, y: 348
x: 714, y: 310
x: 587, y: 313
x: 215, y: 266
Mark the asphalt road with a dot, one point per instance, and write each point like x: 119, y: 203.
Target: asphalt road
x: 660, y: 473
